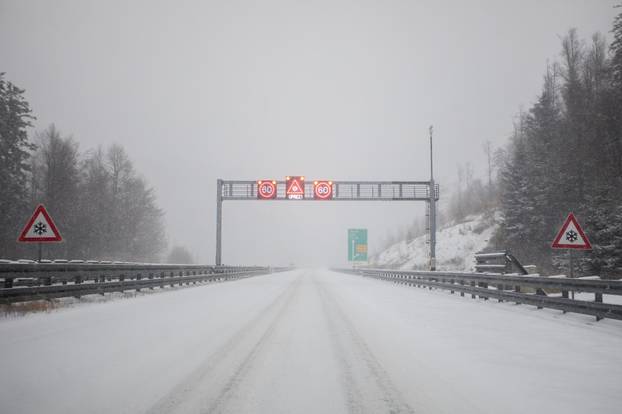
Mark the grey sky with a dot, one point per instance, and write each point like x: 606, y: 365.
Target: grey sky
x: 247, y: 90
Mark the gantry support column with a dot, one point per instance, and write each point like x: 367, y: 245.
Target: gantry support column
x: 432, y: 226
x: 432, y: 194
x: 218, y: 222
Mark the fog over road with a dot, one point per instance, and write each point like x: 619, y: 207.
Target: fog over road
x: 310, y: 341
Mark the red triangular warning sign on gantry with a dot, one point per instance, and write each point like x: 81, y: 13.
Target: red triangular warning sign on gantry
x: 571, y: 236
x: 295, y: 188
x: 40, y: 228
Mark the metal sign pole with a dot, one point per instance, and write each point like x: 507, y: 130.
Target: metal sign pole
x: 571, y: 236
x: 432, y: 209
x: 571, y: 253
x: 218, y: 222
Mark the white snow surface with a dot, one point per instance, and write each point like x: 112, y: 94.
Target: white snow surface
x: 456, y: 244
x: 309, y: 341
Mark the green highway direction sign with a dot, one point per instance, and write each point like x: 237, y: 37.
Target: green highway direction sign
x: 357, y: 245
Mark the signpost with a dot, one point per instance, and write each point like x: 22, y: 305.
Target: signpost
x: 571, y: 236
x: 296, y: 188
x: 40, y: 228
x: 357, y: 245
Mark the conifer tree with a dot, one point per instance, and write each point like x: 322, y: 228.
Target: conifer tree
x: 15, y: 119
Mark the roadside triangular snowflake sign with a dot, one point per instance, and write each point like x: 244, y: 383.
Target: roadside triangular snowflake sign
x: 571, y: 236
x: 40, y: 228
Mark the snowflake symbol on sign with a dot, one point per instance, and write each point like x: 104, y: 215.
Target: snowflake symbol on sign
x: 40, y: 228
x: 571, y: 236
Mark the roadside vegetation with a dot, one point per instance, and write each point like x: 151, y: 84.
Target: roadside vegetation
x: 103, y: 207
x: 565, y: 155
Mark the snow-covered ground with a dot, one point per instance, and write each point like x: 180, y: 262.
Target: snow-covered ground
x: 455, y: 245
x: 308, y: 341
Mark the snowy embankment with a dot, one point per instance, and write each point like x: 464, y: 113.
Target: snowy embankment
x: 455, y: 245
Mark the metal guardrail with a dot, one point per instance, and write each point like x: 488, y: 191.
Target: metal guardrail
x: 525, y: 289
x: 35, y: 281
x: 497, y: 262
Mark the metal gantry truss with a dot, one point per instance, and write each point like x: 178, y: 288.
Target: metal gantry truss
x: 342, y: 190
x: 240, y: 190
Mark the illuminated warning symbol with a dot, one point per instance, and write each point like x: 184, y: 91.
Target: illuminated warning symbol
x: 40, y: 228
x: 571, y: 236
x: 295, y: 189
x: 266, y: 189
x: 323, y: 190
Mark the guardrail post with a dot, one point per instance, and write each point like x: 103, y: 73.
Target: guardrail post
x: 8, y: 282
x: 598, y: 298
x: 483, y: 285
x: 540, y: 292
x: 100, y: 279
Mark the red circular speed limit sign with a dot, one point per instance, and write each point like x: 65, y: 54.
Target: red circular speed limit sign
x: 266, y: 189
x: 323, y: 190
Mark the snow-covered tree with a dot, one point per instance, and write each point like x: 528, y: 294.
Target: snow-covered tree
x: 568, y: 158
x: 15, y: 119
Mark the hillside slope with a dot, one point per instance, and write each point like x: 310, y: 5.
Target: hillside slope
x: 455, y: 245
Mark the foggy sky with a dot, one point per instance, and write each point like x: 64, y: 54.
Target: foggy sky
x: 341, y: 90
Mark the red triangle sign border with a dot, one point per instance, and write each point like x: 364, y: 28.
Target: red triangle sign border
x: 299, y: 188
x: 560, y: 245
x: 56, y: 237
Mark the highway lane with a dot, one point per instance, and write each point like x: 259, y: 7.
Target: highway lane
x: 308, y: 341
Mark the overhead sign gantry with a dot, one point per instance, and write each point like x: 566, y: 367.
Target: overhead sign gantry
x: 297, y: 188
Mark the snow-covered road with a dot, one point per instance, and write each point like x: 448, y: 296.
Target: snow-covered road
x: 308, y: 341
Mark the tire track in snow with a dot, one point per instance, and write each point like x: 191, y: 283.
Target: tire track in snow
x: 229, y: 390
x: 193, y: 383
x: 367, y: 384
